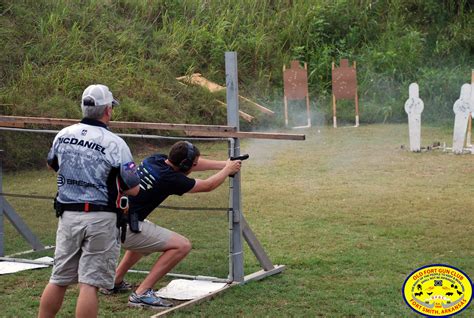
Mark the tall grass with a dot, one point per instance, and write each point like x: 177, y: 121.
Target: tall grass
x: 53, y: 49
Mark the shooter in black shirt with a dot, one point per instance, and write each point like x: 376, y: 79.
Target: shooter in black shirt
x: 160, y: 177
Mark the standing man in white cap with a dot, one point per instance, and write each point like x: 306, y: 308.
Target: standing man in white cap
x: 95, y: 168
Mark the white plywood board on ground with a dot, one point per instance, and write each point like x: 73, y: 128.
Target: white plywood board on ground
x: 7, y: 267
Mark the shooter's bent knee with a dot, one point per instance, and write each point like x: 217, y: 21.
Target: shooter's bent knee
x: 185, y: 246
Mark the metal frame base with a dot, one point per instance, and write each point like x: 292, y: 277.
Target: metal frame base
x: 251, y: 277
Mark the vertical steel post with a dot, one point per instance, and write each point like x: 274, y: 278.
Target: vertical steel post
x: 2, y: 251
x: 232, y: 89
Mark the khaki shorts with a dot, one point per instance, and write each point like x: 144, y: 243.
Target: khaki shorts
x: 151, y: 239
x: 87, y: 249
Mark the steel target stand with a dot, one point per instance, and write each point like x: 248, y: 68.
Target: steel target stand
x: 7, y: 210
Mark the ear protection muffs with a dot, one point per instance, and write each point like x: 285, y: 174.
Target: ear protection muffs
x: 187, y: 163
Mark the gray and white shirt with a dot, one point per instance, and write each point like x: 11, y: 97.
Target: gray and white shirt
x: 92, y: 163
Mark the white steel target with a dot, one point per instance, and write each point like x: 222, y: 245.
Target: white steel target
x: 414, y: 107
x: 462, y: 109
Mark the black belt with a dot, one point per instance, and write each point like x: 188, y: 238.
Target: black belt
x: 87, y: 207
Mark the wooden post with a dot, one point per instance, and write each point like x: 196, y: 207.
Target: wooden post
x: 469, y: 129
x: 285, y: 101
x: 356, y: 100
x: 1, y: 207
x: 308, y: 114
x: 334, y: 120
x: 469, y: 123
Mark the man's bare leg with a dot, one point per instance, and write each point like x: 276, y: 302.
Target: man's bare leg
x: 129, y: 259
x: 175, y: 250
x: 87, y: 301
x: 51, y: 300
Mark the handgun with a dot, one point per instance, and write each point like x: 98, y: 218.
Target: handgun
x: 242, y: 157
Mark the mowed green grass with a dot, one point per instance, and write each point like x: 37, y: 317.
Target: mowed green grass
x: 348, y: 212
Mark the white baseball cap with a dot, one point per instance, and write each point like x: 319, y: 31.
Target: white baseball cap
x: 98, y: 95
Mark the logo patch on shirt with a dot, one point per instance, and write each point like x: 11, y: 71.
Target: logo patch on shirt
x: 60, y: 180
x: 146, y: 179
x: 130, y: 166
x: 84, y: 132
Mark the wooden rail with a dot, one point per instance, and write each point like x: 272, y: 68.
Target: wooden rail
x: 247, y: 134
x: 189, y: 129
x: 21, y: 122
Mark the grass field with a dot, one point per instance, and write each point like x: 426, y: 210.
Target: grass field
x: 348, y: 211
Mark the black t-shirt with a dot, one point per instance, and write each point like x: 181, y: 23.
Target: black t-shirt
x: 157, y: 182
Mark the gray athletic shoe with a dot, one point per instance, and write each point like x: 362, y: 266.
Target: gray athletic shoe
x: 148, y: 300
x: 120, y: 288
